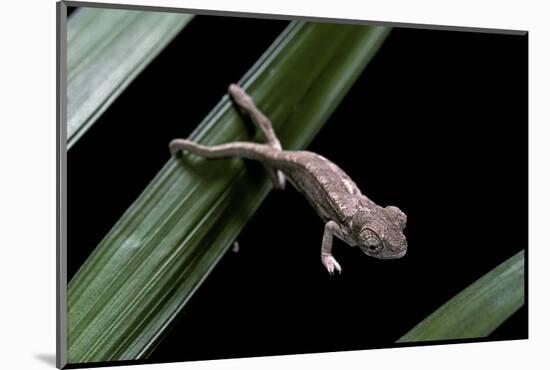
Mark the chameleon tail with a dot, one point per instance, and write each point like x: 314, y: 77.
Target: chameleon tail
x: 259, y: 152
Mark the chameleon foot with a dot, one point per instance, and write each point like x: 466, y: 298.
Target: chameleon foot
x: 331, y: 264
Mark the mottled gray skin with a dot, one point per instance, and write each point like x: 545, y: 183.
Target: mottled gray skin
x: 347, y: 213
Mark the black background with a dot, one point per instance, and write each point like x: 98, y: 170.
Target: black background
x: 436, y: 125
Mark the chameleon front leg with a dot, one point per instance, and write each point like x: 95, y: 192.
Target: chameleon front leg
x: 331, y: 228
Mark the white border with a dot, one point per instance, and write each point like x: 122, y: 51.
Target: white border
x: 27, y: 196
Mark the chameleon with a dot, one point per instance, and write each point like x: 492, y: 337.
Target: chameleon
x: 346, y: 212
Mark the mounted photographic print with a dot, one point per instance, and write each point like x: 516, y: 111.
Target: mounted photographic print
x: 237, y: 185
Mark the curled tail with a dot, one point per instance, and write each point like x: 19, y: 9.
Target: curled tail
x: 264, y: 153
x: 259, y: 152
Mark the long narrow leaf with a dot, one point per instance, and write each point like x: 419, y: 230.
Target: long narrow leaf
x: 106, y: 50
x: 479, y: 309
x: 148, y: 266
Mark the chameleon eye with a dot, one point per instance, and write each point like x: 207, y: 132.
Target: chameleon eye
x: 372, y: 244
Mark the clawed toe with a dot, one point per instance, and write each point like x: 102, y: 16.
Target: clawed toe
x: 331, y: 265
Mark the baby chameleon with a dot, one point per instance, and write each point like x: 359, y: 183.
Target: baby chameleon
x: 347, y: 213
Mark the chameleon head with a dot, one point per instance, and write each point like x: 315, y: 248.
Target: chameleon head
x: 379, y: 232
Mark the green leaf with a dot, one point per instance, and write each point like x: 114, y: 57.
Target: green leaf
x: 106, y: 50
x: 479, y: 309
x: 148, y: 266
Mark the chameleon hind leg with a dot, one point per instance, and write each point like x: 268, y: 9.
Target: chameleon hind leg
x: 245, y: 101
x: 240, y: 149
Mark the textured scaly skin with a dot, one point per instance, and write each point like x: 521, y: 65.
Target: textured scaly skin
x: 347, y: 213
